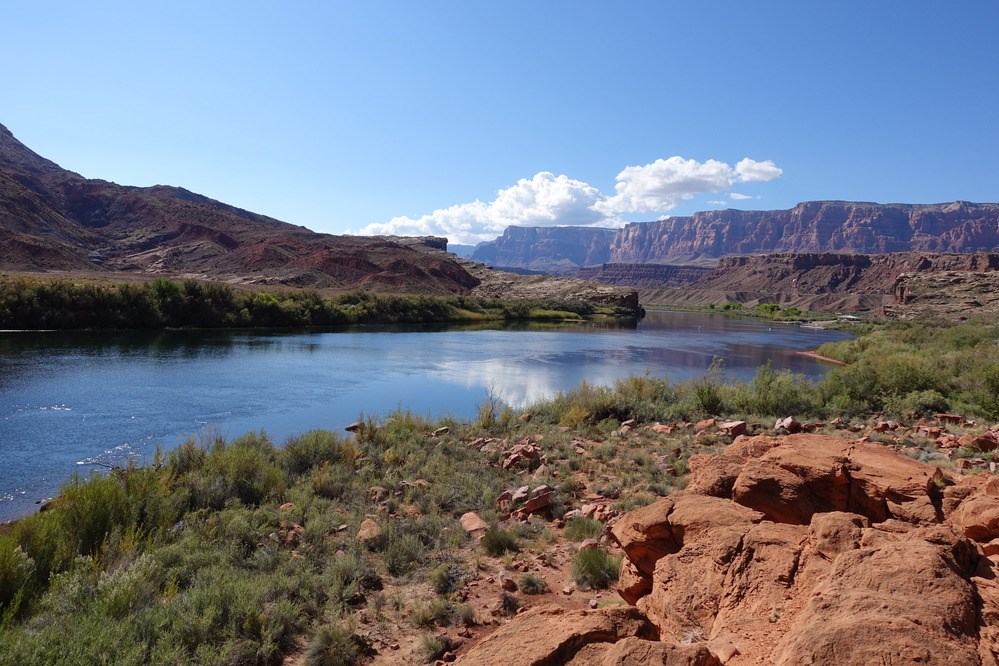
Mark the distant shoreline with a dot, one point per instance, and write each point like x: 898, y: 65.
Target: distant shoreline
x: 819, y: 357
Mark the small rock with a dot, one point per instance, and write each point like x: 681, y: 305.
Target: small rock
x: 472, y: 523
x: 594, y: 603
x: 368, y: 531
x: 589, y: 544
x: 354, y: 427
x: 506, y: 581
x: 790, y: 424
x: 733, y: 428
x: 569, y: 589
x: 287, y: 506
x: 441, y: 431
x: 706, y: 424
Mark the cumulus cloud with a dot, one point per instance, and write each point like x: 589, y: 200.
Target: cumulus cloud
x: 550, y: 200
x: 750, y: 171
x: 544, y: 200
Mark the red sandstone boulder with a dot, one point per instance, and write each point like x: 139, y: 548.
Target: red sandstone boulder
x: 811, y: 474
x: 902, y: 603
x: 550, y: 635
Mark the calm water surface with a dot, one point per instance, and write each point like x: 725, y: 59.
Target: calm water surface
x: 68, y: 399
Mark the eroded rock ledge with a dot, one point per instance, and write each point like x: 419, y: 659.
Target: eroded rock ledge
x: 802, y: 549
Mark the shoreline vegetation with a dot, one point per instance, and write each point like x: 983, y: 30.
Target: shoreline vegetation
x: 226, y: 552
x: 64, y: 304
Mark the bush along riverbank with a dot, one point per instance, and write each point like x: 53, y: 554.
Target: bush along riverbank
x: 409, y: 539
x: 33, y: 304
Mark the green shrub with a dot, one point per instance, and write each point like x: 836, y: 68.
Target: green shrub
x: 497, y: 541
x: 532, y: 584
x: 446, y: 578
x: 594, y: 568
x: 403, y: 554
x: 434, y: 647
x: 332, y: 646
x: 303, y: 452
x: 508, y: 603
x: 582, y: 528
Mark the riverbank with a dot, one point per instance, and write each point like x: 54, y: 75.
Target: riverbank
x: 411, y: 537
x: 39, y: 303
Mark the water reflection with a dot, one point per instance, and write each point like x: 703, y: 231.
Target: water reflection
x: 69, y: 397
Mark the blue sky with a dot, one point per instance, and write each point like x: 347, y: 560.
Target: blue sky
x: 374, y: 115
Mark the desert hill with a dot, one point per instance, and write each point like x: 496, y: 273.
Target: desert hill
x: 55, y: 219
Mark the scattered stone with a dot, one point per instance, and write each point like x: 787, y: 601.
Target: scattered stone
x: 507, y: 581
x: 569, y: 589
x: 661, y: 429
x: 443, y: 430
x: 706, y: 424
x: 368, y: 531
x: 589, y: 544
x: 594, y: 603
x: 355, y: 426
x: 287, y: 506
x: 473, y: 524
x: 520, y: 495
x: 949, y: 418
x: 521, y: 452
x: 733, y: 428
x: 789, y: 424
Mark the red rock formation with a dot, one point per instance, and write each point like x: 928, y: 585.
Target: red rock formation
x: 792, y: 550
x: 547, y: 249
x: 814, y: 226
x: 820, y: 550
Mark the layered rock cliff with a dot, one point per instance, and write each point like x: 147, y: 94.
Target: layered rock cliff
x: 814, y: 226
x: 810, y: 227
x: 551, y: 249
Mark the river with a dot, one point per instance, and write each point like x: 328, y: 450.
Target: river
x: 70, y: 399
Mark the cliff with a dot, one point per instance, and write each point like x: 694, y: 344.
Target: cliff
x: 812, y: 227
x: 551, y: 249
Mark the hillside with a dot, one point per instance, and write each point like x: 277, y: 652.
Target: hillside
x: 56, y: 220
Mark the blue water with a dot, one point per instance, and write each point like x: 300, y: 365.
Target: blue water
x: 68, y: 399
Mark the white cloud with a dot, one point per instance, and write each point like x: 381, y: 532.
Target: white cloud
x: 550, y: 200
x: 545, y: 200
x: 751, y: 171
x: 739, y: 197
x: 717, y: 203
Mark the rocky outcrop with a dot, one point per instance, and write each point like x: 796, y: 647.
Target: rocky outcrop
x: 955, y: 295
x: 834, y: 273
x: 494, y: 283
x: 643, y: 275
x: 549, y: 249
x: 550, y: 635
x: 807, y: 549
x: 835, y: 282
